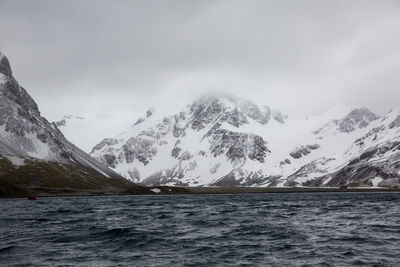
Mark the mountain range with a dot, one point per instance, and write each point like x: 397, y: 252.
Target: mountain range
x: 224, y: 140
x: 218, y: 140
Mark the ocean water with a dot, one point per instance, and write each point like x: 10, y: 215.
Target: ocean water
x: 327, y: 229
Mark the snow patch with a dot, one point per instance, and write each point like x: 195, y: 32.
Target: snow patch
x: 156, y: 190
x: 16, y: 161
x: 3, y: 78
x: 327, y: 180
x: 376, y: 181
x: 42, y: 150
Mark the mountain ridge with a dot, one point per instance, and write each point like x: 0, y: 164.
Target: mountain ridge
x: 224, y: 140
x: 34, y: 154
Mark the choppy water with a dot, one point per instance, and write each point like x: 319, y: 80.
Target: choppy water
x: 203, y: 230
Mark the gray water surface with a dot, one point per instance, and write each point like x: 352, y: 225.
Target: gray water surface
x: 336, y: 229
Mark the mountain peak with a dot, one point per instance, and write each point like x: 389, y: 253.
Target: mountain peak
x: 23, y: 129
x: 346, y: 119
x: 227, y: 100
x: 234, y: 106
x: 5, y: 67
x: 357, y: 118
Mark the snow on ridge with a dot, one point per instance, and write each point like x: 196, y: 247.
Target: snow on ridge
x: 334, y: 113
x: 391, y: 115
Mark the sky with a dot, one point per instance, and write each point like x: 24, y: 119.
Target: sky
x: 108, y: 61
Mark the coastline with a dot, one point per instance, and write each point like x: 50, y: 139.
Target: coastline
x: 166, y: 190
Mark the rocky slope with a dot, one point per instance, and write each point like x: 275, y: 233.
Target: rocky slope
x: 35, y: 154
x: 374, y: 158
x: 227, y: 141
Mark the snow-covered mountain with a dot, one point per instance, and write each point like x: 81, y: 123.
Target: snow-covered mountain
x: 373, y: 159
x: 30, y: 146
x: 223, y: 140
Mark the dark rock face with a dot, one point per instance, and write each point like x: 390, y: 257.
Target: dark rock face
x: 5, y: 67
x: 105, y: 142
x: 149, y: 112
x: 111, y: 160
x: 141, y: 149
x: 395, y: 123
x: 286, y: 161
x: 203, y: 114
x: 257, y: 149
x: 303, y: 151
x: 185, y: 156
x: 62, y: 122
x: 358, y: 176
x: 357, y: 118
x: 238, y: 145
x: 279, y: 117
x: 235, y: 118
x: 175, y: 151
x: 252, y: 111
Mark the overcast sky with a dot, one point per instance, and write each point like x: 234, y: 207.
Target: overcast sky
x: 113, y: 59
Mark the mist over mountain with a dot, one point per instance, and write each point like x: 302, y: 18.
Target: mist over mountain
x: 216, y: 140
x: 300, y: 57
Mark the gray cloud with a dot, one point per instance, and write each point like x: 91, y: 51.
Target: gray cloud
x: 115, y: 58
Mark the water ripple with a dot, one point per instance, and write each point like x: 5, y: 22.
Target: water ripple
x: 330, y: 229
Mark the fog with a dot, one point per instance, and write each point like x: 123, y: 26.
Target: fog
x: 108, y: 61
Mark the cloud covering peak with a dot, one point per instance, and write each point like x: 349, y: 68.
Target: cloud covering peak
x: 116, y: 58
